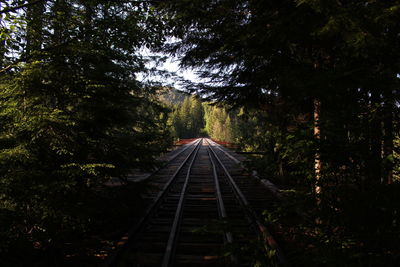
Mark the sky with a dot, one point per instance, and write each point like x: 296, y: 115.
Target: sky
x: 171, y: 65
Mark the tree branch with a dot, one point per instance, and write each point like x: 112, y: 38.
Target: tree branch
x: 12, y: 9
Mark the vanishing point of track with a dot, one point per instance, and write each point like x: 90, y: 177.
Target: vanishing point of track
x: 204, y: 212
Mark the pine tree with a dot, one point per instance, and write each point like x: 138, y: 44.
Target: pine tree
x: 75, y: 115
x: 255, y: 53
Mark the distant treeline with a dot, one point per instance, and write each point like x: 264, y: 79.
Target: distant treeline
x: 187, y: 118
x: 193, y: 117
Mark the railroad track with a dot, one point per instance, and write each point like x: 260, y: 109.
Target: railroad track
x: 206, y: 214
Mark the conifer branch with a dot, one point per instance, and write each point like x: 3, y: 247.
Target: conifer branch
x: 12, y: 9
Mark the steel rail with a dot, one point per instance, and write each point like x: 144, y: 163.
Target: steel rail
x: 121, y: 245
x: 267, y: 183
x: 227, y: 154
x: 180, y: 152
x: 221, y: 207
x: 171, y: 159
x: 268, y: 238
x: 178, y: 215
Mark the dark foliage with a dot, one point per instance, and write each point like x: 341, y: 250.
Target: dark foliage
x: 319, y: 84
x: 72, y: 114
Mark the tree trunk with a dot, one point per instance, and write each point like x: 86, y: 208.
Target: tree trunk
x: 34, y: 35
x: 374, y: 168
x: 61, y: 11
x: 388, y: 138
x: 34, y: 27
x: 2, y: 45
x: 87, y: 34
x: 317, y: 138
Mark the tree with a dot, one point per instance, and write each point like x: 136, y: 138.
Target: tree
x: 218, y: 122
x: 303, y: 53
x: 187, y: 118
x: 319, y: 86
x: 73, y: 114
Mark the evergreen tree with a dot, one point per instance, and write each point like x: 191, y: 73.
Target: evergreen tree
x: 317, y: 57
x: 73, y: 114
x: 219, y: 123
x: 187, y: 118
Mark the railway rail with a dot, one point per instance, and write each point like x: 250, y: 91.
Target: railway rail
x: 204, y: 212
